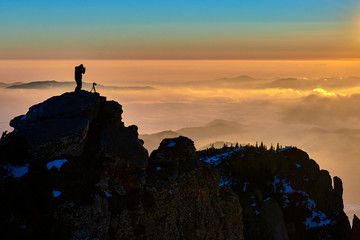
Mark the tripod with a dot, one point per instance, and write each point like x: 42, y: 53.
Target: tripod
x: 93, y: 88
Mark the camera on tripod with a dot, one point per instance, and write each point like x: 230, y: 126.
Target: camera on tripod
x: 93, y: 88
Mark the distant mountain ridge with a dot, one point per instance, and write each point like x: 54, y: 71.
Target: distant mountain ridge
x: 55, y: 84
x: 212, y: 131
x: 242, y: 82
x: 40, y: 85
x: 4, y: 85
x: 248, y: 82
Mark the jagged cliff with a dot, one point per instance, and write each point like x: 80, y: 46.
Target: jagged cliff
x: 71, y: 169
x: 283, y: 192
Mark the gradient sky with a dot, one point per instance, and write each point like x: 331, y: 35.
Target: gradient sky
x: 242, y: 29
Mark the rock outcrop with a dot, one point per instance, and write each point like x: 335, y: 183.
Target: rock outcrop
x: 72, y: 170
x: 355, y: 231
x: 284, y: 194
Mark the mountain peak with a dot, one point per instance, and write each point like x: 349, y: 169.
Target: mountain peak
x: 221, y: 122
x: 61, y: 126
x: 237, y: 78
x: 72, y: 170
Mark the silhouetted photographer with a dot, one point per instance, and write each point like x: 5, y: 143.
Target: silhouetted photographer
x: 79, y: 71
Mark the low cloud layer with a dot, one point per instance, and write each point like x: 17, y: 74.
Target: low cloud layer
x: 319, y: 115
x: 326, y: 111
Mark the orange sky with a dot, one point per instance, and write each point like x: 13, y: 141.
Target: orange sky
x: 119, y: 72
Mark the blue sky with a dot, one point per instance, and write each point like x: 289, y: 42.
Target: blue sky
x: 50, y: 28
x: 63, y: 12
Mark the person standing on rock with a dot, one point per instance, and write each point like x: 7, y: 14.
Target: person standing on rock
x: 79, y: 71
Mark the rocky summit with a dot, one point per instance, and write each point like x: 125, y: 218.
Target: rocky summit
x: 71, y: 169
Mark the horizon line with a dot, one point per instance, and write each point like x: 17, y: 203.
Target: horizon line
x: 185, y: 59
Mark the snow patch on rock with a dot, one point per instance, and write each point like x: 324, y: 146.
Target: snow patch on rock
x: 171, y: 144
x: 318, y: 218
x: 216, y: 160
x: 56, y: 194
x: 281, y: 150
x: 16, y: 171
x: 56, y: 163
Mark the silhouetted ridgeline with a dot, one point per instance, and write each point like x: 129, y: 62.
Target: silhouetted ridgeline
x: 66, y: 85
x: 71, y: 169
x: 212, y: 131
x: 283, y: 192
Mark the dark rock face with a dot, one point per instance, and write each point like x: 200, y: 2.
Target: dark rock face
x: 58, y: 126
x: 283, y: 193
x: 355, y: 231
x: 182, y: 202
x: 72, y: 170
x: 271, y: 221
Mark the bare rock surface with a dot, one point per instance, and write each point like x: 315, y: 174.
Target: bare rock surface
x: 71, y: 169
x: 59, y: 125
x: 355, y: 231
x: 283, y: 192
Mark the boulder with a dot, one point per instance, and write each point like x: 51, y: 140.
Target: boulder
x: 174, y: 156
x: 59, y: 125
x: 121, y: 146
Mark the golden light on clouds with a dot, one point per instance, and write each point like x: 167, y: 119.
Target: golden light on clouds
x: 285, y: 92
x: 323, y: 92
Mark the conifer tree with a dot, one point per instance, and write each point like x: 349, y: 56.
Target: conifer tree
x: 277, y: 147
x: 272, y: 148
